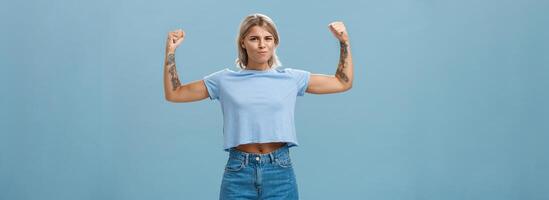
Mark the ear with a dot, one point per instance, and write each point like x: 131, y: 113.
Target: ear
x: 242, y: 45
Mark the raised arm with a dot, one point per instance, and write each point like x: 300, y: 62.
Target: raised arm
x: 173, y: 90
x: 343, y: 78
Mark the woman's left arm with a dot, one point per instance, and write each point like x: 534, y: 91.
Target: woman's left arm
x: 343, y: 78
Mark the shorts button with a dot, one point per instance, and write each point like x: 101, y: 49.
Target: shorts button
x: 257, y: 158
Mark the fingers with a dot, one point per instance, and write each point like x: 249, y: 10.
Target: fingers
x: 176, y: 37
x: 177, y: 42
x: 176, y: 34
x: 181, y: 33
x: 337, y: 24
x: 337, y: 27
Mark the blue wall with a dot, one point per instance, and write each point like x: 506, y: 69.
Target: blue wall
x: 449, y: 99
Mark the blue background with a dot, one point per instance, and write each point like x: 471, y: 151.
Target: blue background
x: 449, y: 99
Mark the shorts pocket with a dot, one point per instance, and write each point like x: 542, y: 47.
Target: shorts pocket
x: 284, y: 162
x: 234, y: 164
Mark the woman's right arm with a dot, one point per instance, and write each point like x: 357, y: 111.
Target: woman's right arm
x: 174, y: 91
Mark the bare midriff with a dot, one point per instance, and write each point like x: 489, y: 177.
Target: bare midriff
x: 260, y: 148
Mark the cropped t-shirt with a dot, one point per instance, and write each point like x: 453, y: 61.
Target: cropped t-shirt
x: 258, y: 106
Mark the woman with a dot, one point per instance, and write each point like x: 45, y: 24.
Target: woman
x: 258, y: 103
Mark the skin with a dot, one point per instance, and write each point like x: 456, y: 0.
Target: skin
x: 260, y: 46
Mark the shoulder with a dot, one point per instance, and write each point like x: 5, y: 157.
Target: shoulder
x: 218, y: 73
x: 222, y: 71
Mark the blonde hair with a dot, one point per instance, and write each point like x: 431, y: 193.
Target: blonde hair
x: 250, y: 21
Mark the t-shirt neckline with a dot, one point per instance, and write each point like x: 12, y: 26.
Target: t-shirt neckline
x: 257, y: 71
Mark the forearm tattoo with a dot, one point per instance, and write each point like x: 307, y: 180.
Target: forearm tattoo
x: 342, y: 62
x: 173, y: 72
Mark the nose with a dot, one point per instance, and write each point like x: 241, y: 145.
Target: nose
x: 261, y: 43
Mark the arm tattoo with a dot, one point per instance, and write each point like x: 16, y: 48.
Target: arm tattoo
x: 342, y: 62
x: 173, y: 72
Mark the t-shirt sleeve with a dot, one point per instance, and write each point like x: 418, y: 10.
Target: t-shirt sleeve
x: 212, y: 82
x: 302, y: 79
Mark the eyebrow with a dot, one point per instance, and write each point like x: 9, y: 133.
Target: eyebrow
x: 258, y: 36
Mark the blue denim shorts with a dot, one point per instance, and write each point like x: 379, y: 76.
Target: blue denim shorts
x: 259, y: 176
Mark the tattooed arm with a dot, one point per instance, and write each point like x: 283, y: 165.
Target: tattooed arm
x: 345, y: 68
x: 171, y: 78
x: 343, y: 78
x: 174, y: 91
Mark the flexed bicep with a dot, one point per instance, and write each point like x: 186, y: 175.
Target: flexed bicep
x: 325, y: 84
x: 190, y: 92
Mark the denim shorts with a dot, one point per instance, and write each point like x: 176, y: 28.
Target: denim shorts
x: 259, y: 176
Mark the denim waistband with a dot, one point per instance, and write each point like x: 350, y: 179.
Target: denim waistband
x: 280, y: 153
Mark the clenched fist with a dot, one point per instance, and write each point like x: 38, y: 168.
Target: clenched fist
x: 339, y: 31
x: 174, y: 40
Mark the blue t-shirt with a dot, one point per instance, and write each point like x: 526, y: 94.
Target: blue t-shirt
x: 258, y: 106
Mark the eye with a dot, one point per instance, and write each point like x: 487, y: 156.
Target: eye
x: 253, y: 38
x: 269, y: 38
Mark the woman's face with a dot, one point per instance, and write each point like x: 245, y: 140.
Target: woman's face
x: 259, y: 45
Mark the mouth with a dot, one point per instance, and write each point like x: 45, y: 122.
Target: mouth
x: 263, y: 52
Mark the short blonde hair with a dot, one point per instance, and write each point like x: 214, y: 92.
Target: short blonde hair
x: 250, y: 21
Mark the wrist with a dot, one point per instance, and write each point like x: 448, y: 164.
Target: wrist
x: 170, y: 51
x: 344, y: 44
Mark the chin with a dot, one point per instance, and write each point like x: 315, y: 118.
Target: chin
x: 262, y: 60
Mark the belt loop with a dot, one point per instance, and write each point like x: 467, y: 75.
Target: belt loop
x: 272, y: 157
x: 246, y: 159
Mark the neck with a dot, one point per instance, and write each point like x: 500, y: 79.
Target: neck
x: 258, y: 66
